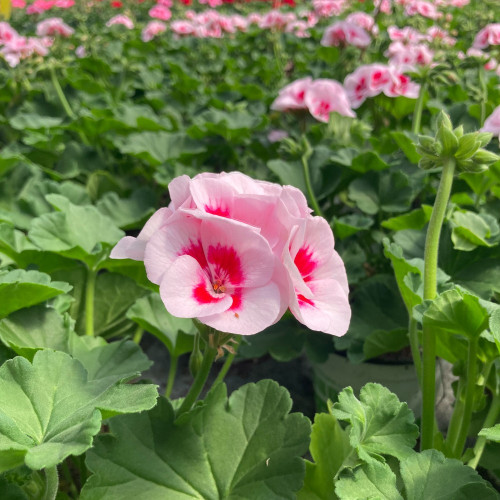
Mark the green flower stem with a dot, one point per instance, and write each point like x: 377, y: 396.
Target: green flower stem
x: 458, y: 410
x: 51, y: 483
x: 459, y: 440
x: 419, y: 106
x: 172, y: 371
x: 138, y: 335
x: 199, y: 381
x: 307, y: 179
x: 414, y: 346
x: 430, y: 292
x: 227, y: 364
x: 484, y: 93
x: 60, y: 94
x: 489, y: 421
x: 89, y: 302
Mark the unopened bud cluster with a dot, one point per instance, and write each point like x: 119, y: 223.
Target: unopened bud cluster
x: 449, y: 143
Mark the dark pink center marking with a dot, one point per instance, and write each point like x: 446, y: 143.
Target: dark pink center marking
x: 305, y: 263
x: 304, y: 300
x: 219, y: 210
x: 202, y: 296
x: 236, y: 305
x: 195, y: 250
x: 226, y: 265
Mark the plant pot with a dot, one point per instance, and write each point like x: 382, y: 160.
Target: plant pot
x: 338, y: 372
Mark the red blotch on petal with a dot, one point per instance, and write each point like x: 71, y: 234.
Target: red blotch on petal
x: 201, y: 295
x: 226, y: 264
x: 304, y: 300
x: 195, y: 250
x: 236, y: 301
x: 305, y: 262
x: 220, y: 211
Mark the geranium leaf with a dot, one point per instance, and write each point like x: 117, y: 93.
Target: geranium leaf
x: 77, y: 232
x: 41, y: 327
x: 247, y: 446
x: 50, y: 410
x: 372, y: 481
x: 458, y: 312
x: 429, y: 475
x: 329, y: 448
x: 176, y: 333
x: 20, y: 289
x: 491, y: 433
x: 380, y: 423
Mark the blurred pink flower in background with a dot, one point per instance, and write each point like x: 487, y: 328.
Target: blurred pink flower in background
x: 152, y: 29
x: 422, y: 8
x: 489, y: 35
x: 345, y: 33
x: 363, y: 20
x: 160, y: 12
x: 492, y: 123
x: 400, y: 54
x: 121, y: 19
x: 277, y: 135
x: 53, y: 26
x: 327, y: 96
x: 374, y: 79
x: 292, y: 96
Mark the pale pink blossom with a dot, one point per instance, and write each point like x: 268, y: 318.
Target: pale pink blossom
x: 80, y: 51
x: 64, y: 4
x: 363, y: 20
x: 400, y: 54
x: 489, y: 35
x: 323, y: 97
x: 435, y: 33
x: 18, y: 4
x: 182, y: 27
x: 152, y: 29
x: 345, y: 33
x: 54, y: 26
x: 160, y: 12
x: 328, y: 8
x: 407, y: 34
x: 492, y: 123
x: 374, y: 79
x: 7, y: 32
x: 384, y: 6
x: 165, y: 3
x: 121, y: 19
x: 236, y: 253
x: 318, y: 282
x: 40, y: 6
x: 422, y: 8
x: 292, y: 96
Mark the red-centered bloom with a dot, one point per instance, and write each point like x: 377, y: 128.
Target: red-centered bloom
x: 236, y: 253
x: 116, y: 4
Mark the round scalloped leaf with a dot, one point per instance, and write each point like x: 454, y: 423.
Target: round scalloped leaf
x: 247, y: 446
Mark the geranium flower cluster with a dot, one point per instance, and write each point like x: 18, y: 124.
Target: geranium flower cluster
x: 14, y: 47
x: 320, y: 97
x: 236, y: 253
x: 373, y: 79
x: 342, y: 33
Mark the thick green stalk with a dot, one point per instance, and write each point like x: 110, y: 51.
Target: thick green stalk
x: 60, y: 94
x: 89, y: 302
x: 457, y: 442
x: 172, y: 370
x: 227, y: 364
x: 430, y: 292
x: 51, y: 483
x: 138, y: 335
x: 414, y: 346
x: 419, y: 106
x: 489, y: 421
x: 307, y: 179
x: 199, y: 381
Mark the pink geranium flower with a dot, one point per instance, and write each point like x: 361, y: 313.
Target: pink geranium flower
x: 489, y: 35
x: 160, y: 12
x: 292, y: 96
x: 152, y: 29
x: 422, y: 8
x: 319, y: 290
x: 54, y: 26
x: 327, y: 96
x: 492, y: 123
x: 236, y: 253
x: 121, y: 19
x: 345, y: 33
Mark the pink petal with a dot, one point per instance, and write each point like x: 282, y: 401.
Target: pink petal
x: 256, y: 309
x: 231, y: 248
x: 187, y: 292
x: 328, y: 311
